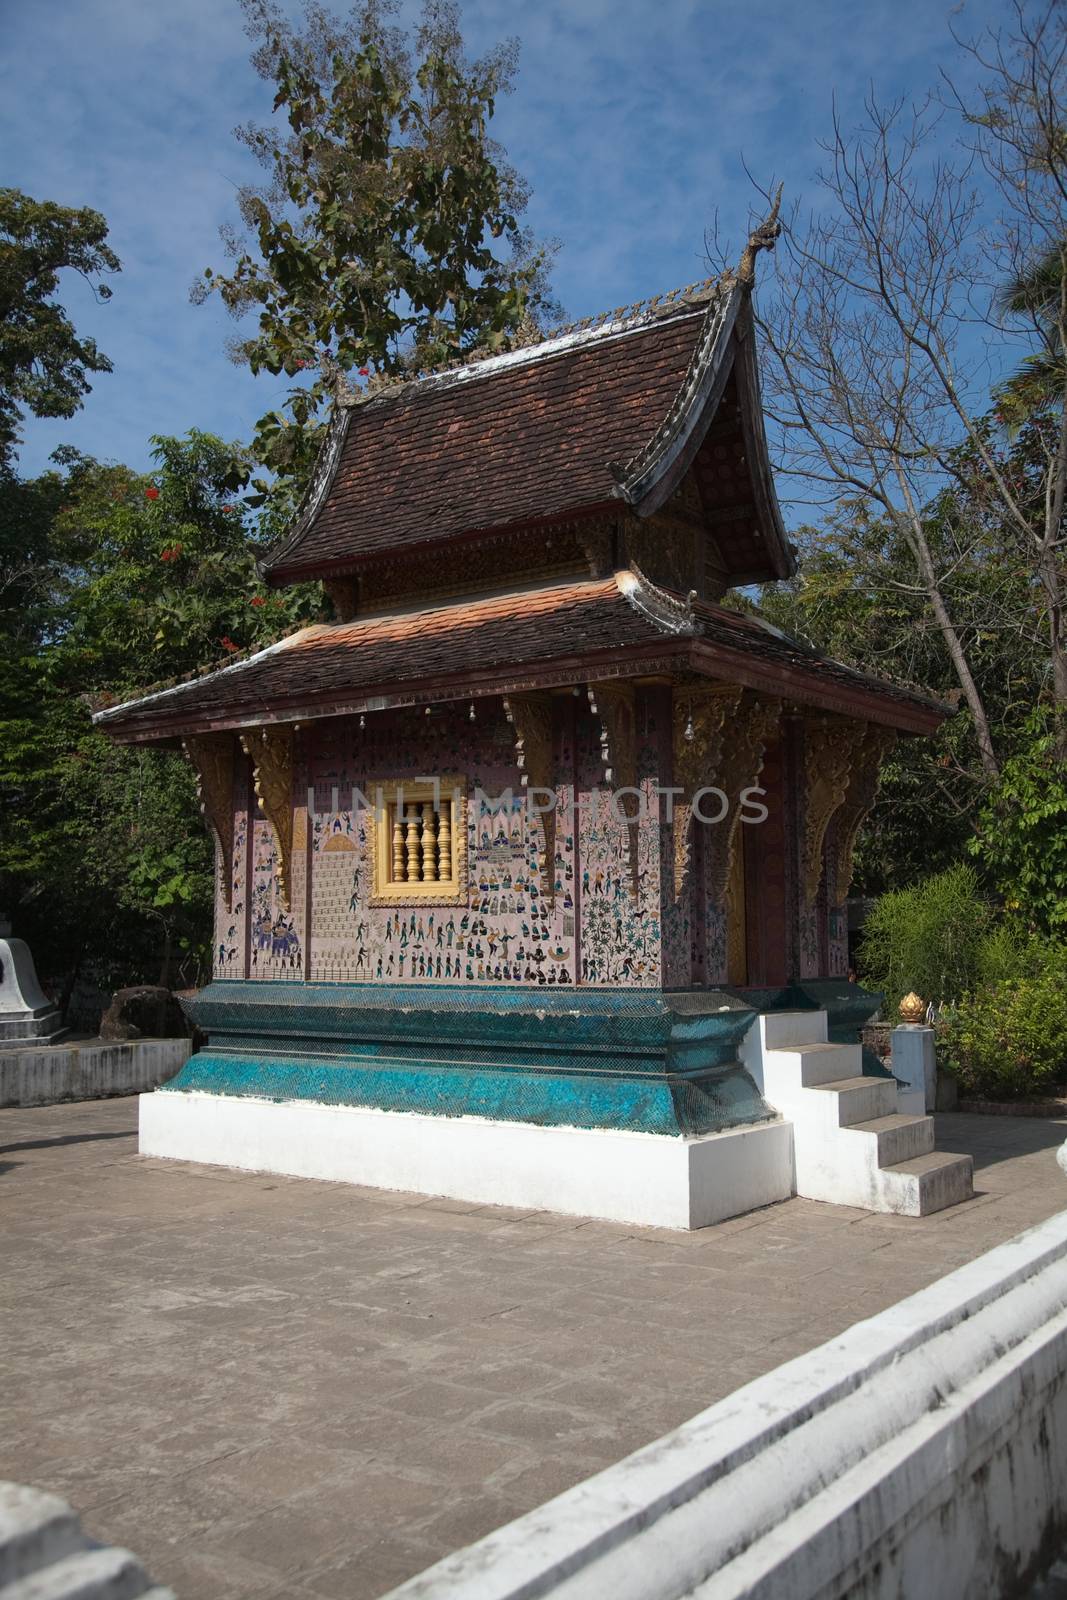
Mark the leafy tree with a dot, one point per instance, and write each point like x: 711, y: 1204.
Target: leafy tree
x: 43, y: 362
x: 374, y: 244
x: 1021, y: 834
x: 874, y: 370
x: 857, y: 598
x: 155, y: 574
x: 120, y: 578
x: 1036, y: 292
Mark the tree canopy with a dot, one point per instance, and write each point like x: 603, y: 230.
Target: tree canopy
x: 43, y: 361
x: 387, y: 237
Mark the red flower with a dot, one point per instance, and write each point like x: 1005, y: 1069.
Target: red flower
x: 364, y: 372
x: 257, y: 600
x: 151, y: 494
x: 227, y: 643
x: 167, y: 554
x: 229, y: 508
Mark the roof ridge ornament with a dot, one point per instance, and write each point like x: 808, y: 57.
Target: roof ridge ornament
x: 765, y: 237
x: 648, y: 479
x: 658, y: 605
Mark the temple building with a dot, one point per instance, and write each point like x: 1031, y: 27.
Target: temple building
x: 532, y: 864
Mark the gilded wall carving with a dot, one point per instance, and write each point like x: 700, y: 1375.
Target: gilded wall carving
x: 212, y: 757
x: 744, y: 745
x: 271, y: 752
x: 859, y: 797
x: 699, y: 715
x: 831, y: 745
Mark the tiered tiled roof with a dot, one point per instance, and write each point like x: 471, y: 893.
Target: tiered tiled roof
x: 554, y: 635
x: 588, y: 421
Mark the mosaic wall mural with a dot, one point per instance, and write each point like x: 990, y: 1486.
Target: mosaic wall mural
x: 607, y: 917
x: 513, y: 928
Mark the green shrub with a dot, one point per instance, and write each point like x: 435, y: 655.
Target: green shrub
x: 1009, y: 1039
x: 1008, y: 951
x: 1020, y: 835
x: 927, y: 938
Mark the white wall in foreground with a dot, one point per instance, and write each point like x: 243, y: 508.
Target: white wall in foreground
x: 642, y: 1178
x: 923, y: 1453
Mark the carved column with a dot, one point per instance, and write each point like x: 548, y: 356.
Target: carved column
x: 830, y: 747
x: 271, y: 752
x: 698, y: 744
x: 212, y: 757
x: 531, y: 716
x: 750, y: 732
x: 859, y: 798
x: 614, y: 703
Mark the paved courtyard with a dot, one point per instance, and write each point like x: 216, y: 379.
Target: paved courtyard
x: 272, y: 1387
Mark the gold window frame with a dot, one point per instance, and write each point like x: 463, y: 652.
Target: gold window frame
x: 389, y: 890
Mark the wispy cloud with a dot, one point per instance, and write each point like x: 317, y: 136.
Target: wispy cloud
x: 630, y: 121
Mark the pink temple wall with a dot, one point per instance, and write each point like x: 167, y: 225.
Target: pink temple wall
x: 508, y: 931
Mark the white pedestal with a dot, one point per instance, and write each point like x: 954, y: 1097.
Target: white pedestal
x: 915, y: 1064
x: 27, y: 1016
x: 641, y: 1178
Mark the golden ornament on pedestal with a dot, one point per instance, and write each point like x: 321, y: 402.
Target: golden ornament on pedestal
x: 912, y: 1009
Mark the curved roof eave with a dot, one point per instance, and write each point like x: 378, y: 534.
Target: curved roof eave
x: 726, y: 343
x: 319, y: 485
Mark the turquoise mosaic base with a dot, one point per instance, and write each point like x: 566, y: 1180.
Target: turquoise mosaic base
x: 634, y: 1059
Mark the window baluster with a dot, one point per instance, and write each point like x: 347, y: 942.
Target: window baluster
x: 444, y: 843
x: 412, y: 813
x: 429, y: 846
x: 398, y: 846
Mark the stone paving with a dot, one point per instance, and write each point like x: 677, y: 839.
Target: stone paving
x: 273, y: 1387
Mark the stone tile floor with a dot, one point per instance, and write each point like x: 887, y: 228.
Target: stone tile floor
x: 273, y: 1387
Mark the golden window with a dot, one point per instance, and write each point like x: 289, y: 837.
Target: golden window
x: 420, y: 843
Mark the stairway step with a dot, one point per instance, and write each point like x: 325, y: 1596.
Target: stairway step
x: 933, y: 1182
x: 812, y: 1065
x: 860, y: 1099
x: 899, y: 1137
x: 36, y: 1529
x: 783, y: 1028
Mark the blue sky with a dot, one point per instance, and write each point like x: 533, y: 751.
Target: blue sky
x: 630, y: 121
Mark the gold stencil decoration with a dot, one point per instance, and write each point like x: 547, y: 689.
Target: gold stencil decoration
x: 698, y: 743
x: 613, y: 703
x: 531, y: 717
x: 831, y: 745
x: 859, y: 798
x: 745, y: 739
x: 736, y: 922
x: 212, y: 757
x: 270, y: 751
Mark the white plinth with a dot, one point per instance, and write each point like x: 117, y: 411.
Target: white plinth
x: 640, y: 1178
x: 27, y: 1015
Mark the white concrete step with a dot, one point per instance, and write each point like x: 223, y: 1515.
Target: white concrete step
x: 897, y: 1138
x: 854, y: 1144
x: 781, y: 1028
x: 807, y: 1066
x: 860, y: 1099
x: 928, y: 1183
x: 35, y: 1529
x: 103, y: 1574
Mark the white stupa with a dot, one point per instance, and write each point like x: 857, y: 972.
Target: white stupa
x: 27, y: 1016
